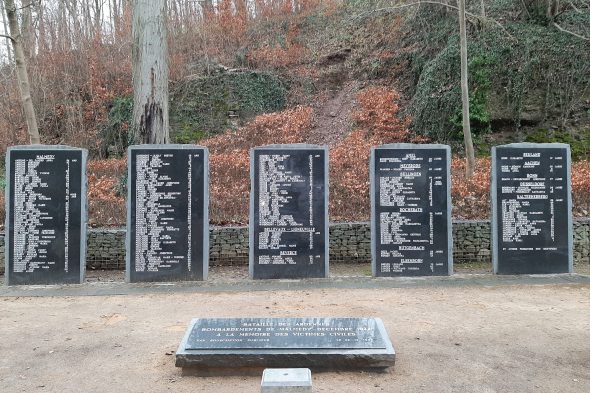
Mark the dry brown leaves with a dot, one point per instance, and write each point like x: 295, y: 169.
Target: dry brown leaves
x: 378, y: 123
x: 230, y: 159
x: 106, y: 205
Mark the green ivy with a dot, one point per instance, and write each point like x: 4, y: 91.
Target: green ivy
x: 115, y: 133
x: 202, y: 107
x: 121, y: 187
x: 527, y: 66
x: 579, y: 143
x: 479, y: 67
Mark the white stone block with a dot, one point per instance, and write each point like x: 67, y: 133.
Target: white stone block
x: 286, y: 380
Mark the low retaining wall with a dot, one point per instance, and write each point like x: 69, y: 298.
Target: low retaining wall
x: 349, y: 242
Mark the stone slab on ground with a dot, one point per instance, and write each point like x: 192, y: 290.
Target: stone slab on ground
x: 286, y: 380
x: 316, y: 343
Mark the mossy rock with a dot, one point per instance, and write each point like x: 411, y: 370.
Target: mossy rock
x: 201, y: 107
x: 579, y: 142
x: 526, y: 74
x: 207, y: 105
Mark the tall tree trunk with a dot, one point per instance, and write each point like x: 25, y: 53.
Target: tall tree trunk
x: 97, y: 26
x: 21, y: 72
x: 87, y: 18
x: 5, y: 30
x: 469, y: 152
x: 60, y: 30
x: 115, y: 19
x: 42, y: 41
x: 27, y: 28
x: 174, y: 17
x: 242, y: 9
x: 150, y: 72
x: 208, y: 10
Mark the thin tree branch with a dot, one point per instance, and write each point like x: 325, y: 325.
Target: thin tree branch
x: 526, y: 8
x: 574, y: 7
x: 30, y: 5
x: 570, y: 32
x: 7, y: 37
x: 400, y: 6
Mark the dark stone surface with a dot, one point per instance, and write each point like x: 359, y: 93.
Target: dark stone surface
x: 286, y: 342
x: 411, y: 210
x: 304, y: 333
x: 531, y: 199
x: 288, y: 212
x: 167, y: 213
x: 46, y: 215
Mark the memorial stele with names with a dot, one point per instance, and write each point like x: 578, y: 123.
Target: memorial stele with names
x: 167, y: 213
x: 45, y: 215
x: 411, y: 229
x: 289, y: 211
x: 531, y: 209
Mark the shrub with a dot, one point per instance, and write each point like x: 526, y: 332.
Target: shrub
x: 377, y: 122
x: 106, y: 205
x: 471, y: 197
x: 115, y: 131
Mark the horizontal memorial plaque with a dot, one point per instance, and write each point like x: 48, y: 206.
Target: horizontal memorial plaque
x: 411, y: 210
x: 249, y: 333
x: 167, y: 213
x: 289, y: 211
x: 292, y: 342
x: 46, y: 215
x: 531, y: 209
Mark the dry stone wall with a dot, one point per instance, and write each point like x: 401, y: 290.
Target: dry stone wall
x: 349, y: 242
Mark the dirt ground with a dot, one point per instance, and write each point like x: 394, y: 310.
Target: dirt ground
x: 464, y: 338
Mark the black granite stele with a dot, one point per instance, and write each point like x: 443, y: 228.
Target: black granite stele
x: 289, y: 211
x: 45, y: 215
x: 167, y: 213
x: 411, y: 210
x: 531, y: 209
x: 286, y: 342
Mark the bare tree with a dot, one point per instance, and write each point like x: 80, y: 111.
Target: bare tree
x: 207, y: 6
x: 21, y: 72
x: 469, y: 152
x: 150, y: 72
x: 62, y: 30
x: 41, y: 29
x: 28, y: 37
x: 5, y: 29
x: 98, y: 14
x: 115, y: 16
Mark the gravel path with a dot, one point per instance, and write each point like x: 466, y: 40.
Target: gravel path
x: 464, y: 338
